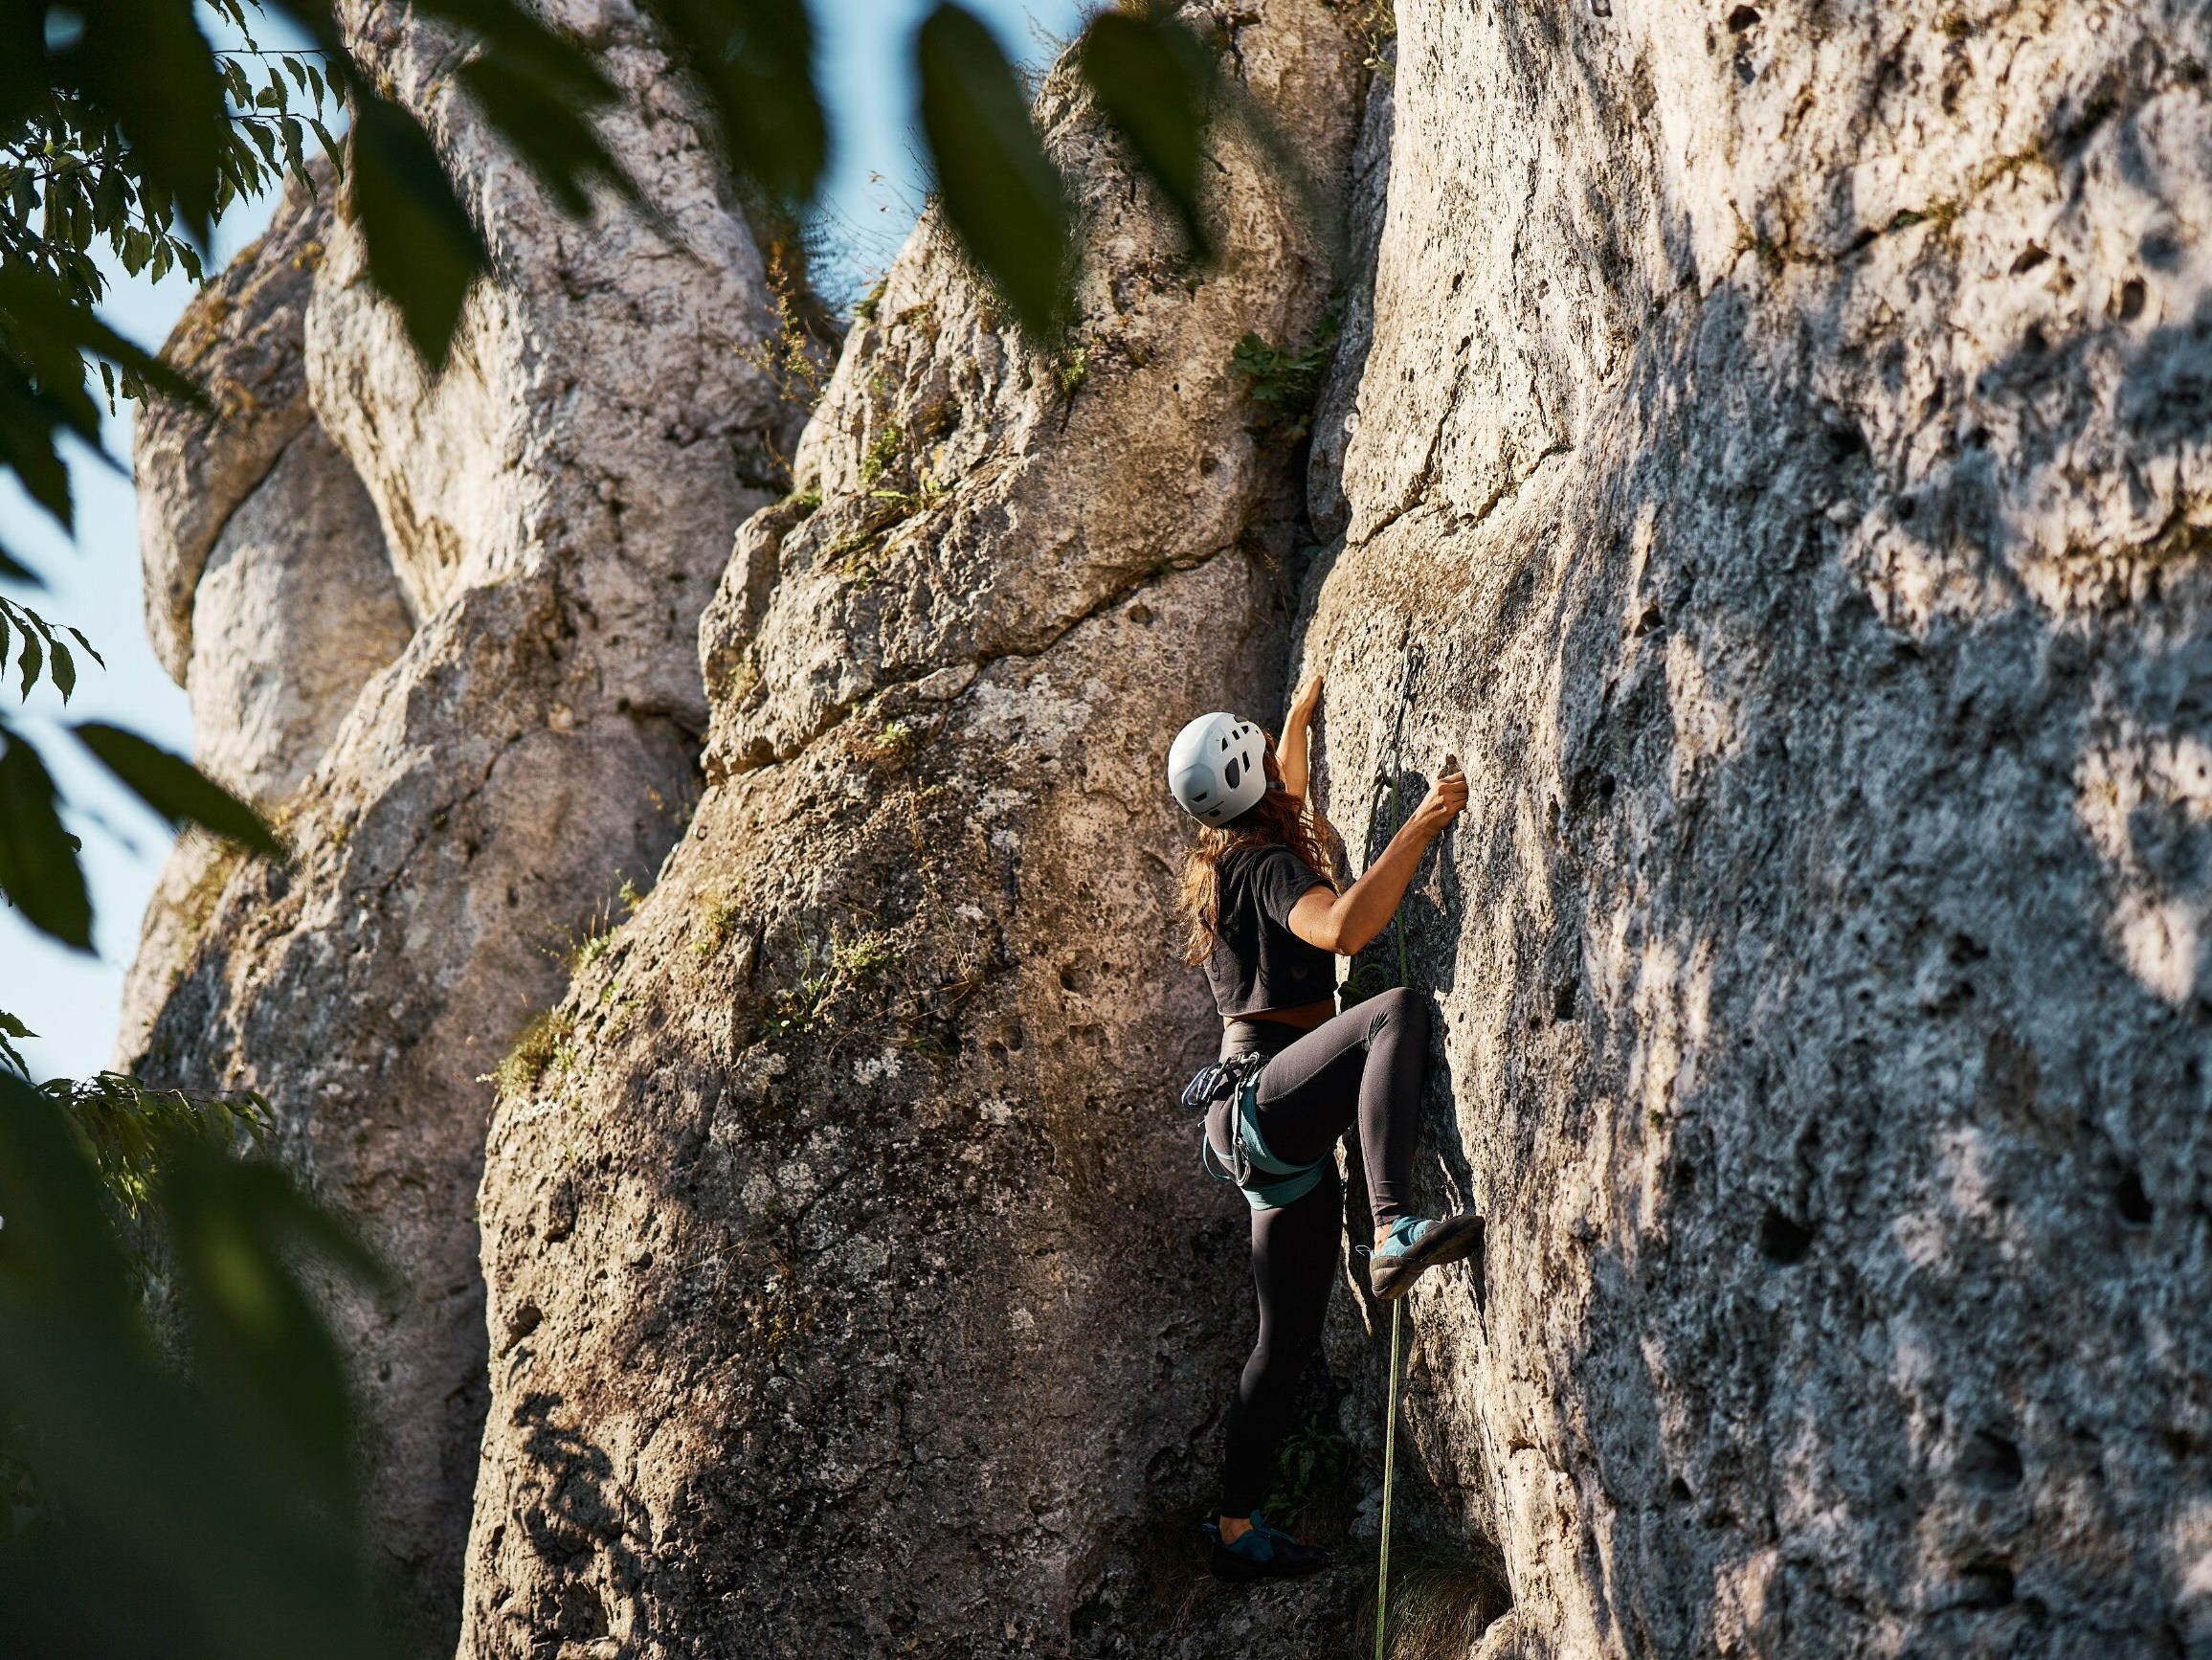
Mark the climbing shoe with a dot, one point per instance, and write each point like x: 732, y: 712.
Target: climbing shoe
x: 1416, y: 1245
x: 1263, y: 1553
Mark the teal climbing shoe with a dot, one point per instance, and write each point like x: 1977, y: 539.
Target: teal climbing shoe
x: 1264, y: 1553
x: 1416, y: 1245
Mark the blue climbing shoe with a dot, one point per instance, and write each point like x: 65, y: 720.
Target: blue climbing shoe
x: 1416, y: 1245
x: 1263, y: 1553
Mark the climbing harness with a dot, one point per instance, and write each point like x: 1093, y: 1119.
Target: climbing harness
x: 1268, y: 1182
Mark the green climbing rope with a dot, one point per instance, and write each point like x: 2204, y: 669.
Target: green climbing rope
x: 1397, y: 1307
x: 1389, y: 1473
x: 1396, y: 1318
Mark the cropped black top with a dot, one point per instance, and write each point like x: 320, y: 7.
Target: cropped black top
x: 1257, y: 962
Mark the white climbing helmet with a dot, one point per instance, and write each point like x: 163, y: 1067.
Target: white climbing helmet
x: 1215, y: 770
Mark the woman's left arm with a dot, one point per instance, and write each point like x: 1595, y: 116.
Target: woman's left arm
x: 1292, y: 753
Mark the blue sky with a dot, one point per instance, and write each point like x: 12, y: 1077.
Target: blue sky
x: 70, y: 999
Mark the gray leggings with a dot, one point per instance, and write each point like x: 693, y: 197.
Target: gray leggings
x: 1365, y: 1064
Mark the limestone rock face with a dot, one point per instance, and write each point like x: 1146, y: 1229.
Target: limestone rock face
x: 239, y: 340
x: 1779, y: 473
x: 1767, y: 444
x: 297, y: 608
x: 550, y: 519
x: 853, y: 1286
x: 269, y: 592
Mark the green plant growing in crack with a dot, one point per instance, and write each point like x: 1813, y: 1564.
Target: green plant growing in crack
x: 580, y: 949
x: 896, y: 742
x: 717, y: 917
x: 845, y: 965
x: 1374, y: 25
x: 884, y: 452
x: 1281, y: 384
x: 928, y: 492
x: 860, y: 958
x: 546, y: 1042
x: 1315, y: 1490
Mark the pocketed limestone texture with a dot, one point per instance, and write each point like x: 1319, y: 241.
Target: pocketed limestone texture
x: 456, y: 648
x: 1766, y: 445
x: 854, y: 1287
x: 1780, y: 473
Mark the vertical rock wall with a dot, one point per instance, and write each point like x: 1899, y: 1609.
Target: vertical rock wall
x: 499, y: 735
x: 1780, y: 471
x: 1767, y: 447
x: 853, y: 1286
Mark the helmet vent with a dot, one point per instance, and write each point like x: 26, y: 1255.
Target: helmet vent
x: 1232, y: 772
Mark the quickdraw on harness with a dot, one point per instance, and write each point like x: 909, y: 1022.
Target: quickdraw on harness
x: 1268, y: 1182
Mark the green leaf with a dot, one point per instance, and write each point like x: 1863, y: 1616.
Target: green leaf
x: 754, y: 59
x: 147, y: 67
x: 176, y: 789
x: 1156, y: 83
x: 522, y: 41
x: 45, y: 334
x: 38, y: 868
x: 13, y: 570
x: 264, y: 140
x: 50, y: 330
x: 30, y: 661
x: 12, y: 1028
x: 202, y: 1489
x: 424, y: 252
x: 1001, y: 194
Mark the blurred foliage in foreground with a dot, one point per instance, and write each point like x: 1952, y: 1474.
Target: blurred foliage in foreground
x: 188, y: 1491
x: 176, y: 1440
x: 122, y: 125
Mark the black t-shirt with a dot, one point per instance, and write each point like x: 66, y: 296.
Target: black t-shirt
x: 1257, y: 962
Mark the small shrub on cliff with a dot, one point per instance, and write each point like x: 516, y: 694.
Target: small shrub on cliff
x: 1316, y: 1490
x: 861, y: 959
x: 717, y: 916
x: 1282, y: 384
x: 546, y: 1042
x: 884, y: 452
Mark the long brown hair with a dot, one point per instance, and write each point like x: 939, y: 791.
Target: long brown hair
x: 1277, y: 819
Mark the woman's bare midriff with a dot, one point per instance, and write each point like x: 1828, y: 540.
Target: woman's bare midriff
x: 1306, y: 1017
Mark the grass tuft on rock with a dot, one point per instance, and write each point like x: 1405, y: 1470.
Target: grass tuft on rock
x: 546, y: 1042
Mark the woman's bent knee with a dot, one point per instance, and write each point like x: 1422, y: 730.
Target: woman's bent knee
x: 1405, y: 1009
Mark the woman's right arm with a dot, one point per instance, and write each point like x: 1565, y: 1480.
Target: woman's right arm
x: 1345, y: 922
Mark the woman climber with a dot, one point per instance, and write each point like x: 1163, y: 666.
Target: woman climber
x: 1267, y: 923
